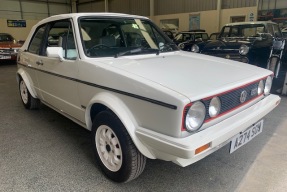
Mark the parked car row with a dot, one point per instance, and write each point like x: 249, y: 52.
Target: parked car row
x: 247, y: 42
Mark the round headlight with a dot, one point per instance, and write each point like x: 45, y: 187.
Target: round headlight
x: 243, y: 50
x: 195, y: 116
x: 195, y: 48
x: 181, y: 46
x: 214, y: 107
x: 268, y: 85
x: 260, y: 87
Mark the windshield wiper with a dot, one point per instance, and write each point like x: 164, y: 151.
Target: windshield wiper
x: 137, y: 50
x: 128, y: 52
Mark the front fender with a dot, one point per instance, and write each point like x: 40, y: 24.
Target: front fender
x: 28, y: 81
x: 123, y: 113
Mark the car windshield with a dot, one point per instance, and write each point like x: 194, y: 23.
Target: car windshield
x: 184, y: 37
x: 6, y: 37
x: 242, y: 31
x: 125, y: 36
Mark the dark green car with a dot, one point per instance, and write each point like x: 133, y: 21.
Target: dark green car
x: 247, y: 42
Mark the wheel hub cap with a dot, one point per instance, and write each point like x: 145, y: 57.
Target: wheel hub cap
x: 109, y: 148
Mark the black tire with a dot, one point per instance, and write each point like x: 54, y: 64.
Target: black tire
x: 123, y: 162
x: 27, y: 99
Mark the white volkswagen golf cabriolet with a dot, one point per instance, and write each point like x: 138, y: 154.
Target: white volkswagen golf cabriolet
x: 123, y: 79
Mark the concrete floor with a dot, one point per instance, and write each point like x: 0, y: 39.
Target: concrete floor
x: 41, y: 150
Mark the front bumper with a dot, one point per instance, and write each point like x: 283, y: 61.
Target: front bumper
x: 182, y: 150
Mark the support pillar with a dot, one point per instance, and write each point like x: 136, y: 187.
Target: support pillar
x: 219, y: 4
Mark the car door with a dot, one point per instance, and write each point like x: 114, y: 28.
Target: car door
x: 57, y: 77
x: 30, y: 57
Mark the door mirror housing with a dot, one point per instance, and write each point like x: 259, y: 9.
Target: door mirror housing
x: 55, y: 52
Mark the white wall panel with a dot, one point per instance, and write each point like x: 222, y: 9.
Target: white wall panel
x: 228, y: 4
x: 272, y: 4
x: 163, y: 7
x: 9, y: 5
x: 98, y: 6
x: 10, y: 9
x: 55, y: 9
x: 34, y: 16
x: 10, y: 15
x: 34, y: 7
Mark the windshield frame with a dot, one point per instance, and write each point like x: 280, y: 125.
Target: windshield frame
x: 154, y: 27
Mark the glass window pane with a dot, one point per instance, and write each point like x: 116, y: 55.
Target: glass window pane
x: 35, y: 44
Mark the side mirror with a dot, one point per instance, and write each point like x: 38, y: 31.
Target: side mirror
x: 55, y: 52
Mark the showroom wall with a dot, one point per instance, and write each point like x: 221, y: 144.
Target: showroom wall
x: 28, y: 12
x: 211, y: 15
x: 18, y: 33
x: 227, y: 14
x: 138, y: 7
x: 208, y: 20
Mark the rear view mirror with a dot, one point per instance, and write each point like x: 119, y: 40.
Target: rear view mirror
x: 55, y: 52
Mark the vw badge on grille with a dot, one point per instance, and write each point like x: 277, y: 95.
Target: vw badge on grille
x: 243, y: 96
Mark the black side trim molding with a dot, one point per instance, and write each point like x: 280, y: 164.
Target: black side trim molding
x: 170, y: 106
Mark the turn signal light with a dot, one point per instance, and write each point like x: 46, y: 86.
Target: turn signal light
x: 202, y: 148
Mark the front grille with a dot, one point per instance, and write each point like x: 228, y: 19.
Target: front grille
x: 231, y: 100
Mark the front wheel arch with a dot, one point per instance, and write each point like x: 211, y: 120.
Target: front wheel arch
x: 108, y: 101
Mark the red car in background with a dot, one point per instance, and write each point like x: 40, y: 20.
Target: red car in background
x: 8, y: 47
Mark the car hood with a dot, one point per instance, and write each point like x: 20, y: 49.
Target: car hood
x: 190, y: 74
x: 10, y: 44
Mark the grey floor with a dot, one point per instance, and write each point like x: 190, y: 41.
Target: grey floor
x: 41, y: 150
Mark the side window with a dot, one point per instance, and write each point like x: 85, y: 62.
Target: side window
x: 270, y: 29
x: 277, y: 32
x: 186, y: 37
x: 35, y: 44
x: 61, y: 35
x: 225, y: 32
x: 204, y: 37
x: 235, y: 32
x: 178, y: 37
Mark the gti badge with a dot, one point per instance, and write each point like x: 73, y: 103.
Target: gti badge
x: 243, y: 96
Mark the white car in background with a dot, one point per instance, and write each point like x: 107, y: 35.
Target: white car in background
x: 121, y: 78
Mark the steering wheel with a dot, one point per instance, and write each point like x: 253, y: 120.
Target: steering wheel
x: 98, y: 46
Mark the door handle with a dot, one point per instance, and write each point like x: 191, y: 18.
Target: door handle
x: 39, y: 62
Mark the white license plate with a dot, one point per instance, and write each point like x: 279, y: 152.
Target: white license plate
x: 242, y: 138
x: 5, y: 57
